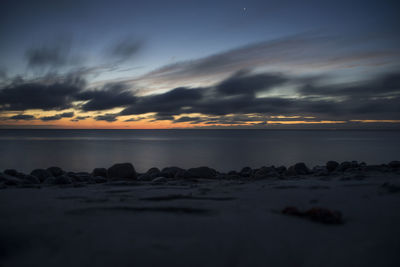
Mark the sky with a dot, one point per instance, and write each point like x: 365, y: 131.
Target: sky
x: 199, y: 64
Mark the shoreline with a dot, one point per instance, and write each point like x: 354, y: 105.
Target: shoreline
x: 126, y: 171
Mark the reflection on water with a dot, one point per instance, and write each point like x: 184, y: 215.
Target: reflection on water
x: 222, y: 149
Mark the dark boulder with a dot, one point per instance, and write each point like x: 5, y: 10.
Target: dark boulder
x: 99, y: 179
x: 170, y: 172
x: 344, y: 166
x: 153, y: 173
x: 144, y: 177
x: 246, y: 172
x: 281, y: 169
x: 291, y: 171
x: 233, y: 173
x: 55, y: 171
x: 301, y: 168
x: 11, y: 172
x: 265, y: 172
x: 320, y: 171
x: 41, y: 174
x: 99, y: 172
x: 30, y: 179
x: 331, y: 165
x: 63, y: 179
x: 200, y: 172
x: 122, y: 170
x: 9, y: 180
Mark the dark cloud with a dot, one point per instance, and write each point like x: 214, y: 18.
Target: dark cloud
x: 189, y: 119
x: 49, y: 56
x: 110, y: 96
x: 134, y: 119
x: 223, y: 103
x: 22, y: 117
x: 126, y: 49
x: 56, y: 94
x: 244, y: 83
x: 57, y: 116
x: 109, y: 117
x: 169, y: 103
x: 386, y: 85
x: 82, y: 117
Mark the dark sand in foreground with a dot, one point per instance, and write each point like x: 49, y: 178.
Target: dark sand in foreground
x: 202, y: 222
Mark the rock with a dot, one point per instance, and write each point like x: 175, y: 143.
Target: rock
x: 344, y: 166
x: 153, y: 173
x: 180, y: 174
x: 122, y: 170
x: 55, y: 171
x: 281, y: 169
x: 170, y: 172
x: 41, y: 174
x: 99, y: 179
x: 144, y: 177
x: 9, y: 180
x: 265, y: 172
x: 233, y: 173
x: 11, y: 172
x: 80, y: 176
x: 375, y: 168
x: 394, y: 164
x: 31, y: 179
x: 159, y: 180
x: 246, y: 172
x: 200, y: 172
x: 100, y: 172
x: 331, y: 165
x: 354, y: 164
x: 50, y: 180
x: 291, y: 171
x: 320, y: 171
x: 301, y: 168
x: 63, y: 179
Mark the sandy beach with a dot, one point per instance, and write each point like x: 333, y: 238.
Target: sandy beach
x: 217, y: 221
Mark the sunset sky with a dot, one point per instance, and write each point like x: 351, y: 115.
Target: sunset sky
x: 177, y: 64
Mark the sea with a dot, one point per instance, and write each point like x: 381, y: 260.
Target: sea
x: 224, y: 150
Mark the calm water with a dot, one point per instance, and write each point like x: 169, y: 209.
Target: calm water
x: 83, y: 150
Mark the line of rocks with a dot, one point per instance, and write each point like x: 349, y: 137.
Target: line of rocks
x: 57, y: 176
